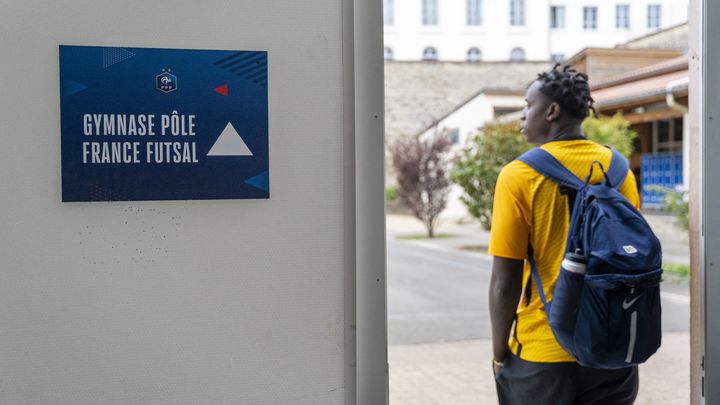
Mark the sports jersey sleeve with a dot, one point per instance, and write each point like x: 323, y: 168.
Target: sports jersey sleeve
x: 630, y: 191
x: 510, y: 231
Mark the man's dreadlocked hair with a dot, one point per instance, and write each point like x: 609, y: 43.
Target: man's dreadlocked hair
x: 569, y: 88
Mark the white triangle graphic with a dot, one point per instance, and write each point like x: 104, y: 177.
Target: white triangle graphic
x: 229, y: 143
x: 112, y: 56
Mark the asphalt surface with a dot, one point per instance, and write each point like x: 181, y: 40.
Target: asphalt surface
x: 437, y: 293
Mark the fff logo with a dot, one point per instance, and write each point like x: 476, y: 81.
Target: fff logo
x: 166, y: 81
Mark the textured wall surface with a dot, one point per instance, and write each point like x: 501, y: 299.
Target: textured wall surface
x: 418, y: 94
x: 189, y: 302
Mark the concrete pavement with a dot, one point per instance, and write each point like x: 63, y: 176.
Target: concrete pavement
x: 459, y: 372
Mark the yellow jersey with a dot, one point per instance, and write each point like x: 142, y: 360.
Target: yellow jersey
x: 529, y: 208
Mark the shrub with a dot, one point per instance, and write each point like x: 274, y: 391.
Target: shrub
x: 614, y: 131
x: 391, y: 193
x: 675, y: 202
x: 478, y: 165
x: 421, y: 165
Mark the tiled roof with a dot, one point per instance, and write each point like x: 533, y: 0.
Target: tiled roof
x: 638, y: 86
x: 638, y: 90
x: 418, y: 94
x: 670, y: 65
x: 675, y: 37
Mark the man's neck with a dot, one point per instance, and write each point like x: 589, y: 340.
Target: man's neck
x: 572, y: 131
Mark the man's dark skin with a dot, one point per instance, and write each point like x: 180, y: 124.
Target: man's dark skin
x: 543, y: 120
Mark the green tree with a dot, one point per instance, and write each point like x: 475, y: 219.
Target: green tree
x: 478, y: 165
x: 614, y: 131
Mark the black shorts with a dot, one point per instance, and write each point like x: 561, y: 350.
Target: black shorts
x: 524, y: 382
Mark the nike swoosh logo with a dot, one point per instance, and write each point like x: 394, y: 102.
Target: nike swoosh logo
x: 627, y: 304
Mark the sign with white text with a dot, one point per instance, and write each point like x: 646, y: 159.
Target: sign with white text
x: 163, y: 124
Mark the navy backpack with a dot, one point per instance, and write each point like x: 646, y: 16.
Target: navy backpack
x: 608, y: 317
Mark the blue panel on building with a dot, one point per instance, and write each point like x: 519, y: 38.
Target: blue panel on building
x: 665, y: 171
x: 163, y: 124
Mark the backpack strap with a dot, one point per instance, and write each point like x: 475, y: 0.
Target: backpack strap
x: 547, y: 165
x: 538, y: 281
x: 618, y: 170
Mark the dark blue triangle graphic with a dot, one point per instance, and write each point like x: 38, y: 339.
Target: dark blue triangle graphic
x: 260, y: 181
x: 69, y: 87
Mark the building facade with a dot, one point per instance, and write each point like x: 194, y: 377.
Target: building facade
x: 516, y: 30
x: 654, y: 100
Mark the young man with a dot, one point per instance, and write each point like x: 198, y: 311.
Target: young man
x: 530, y: 366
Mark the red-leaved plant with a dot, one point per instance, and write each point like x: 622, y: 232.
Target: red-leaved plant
x: 421, y: 164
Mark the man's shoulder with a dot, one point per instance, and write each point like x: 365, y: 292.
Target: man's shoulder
x: 517, y: 178
x: 517, y: 167
x: 517, y: 171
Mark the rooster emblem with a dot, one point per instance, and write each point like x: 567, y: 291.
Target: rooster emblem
x: 166, y: 82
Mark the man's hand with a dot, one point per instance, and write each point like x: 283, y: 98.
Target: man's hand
x: 504, y: 296
x: 497, y: 366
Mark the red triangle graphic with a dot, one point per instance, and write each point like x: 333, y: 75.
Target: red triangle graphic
x: 222, y: 89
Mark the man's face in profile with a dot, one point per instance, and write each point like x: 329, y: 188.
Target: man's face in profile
x: 534, y: 123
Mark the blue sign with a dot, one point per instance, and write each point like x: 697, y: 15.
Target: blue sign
x: 163, y: 124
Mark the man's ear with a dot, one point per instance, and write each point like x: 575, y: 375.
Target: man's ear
x: 553, y: 112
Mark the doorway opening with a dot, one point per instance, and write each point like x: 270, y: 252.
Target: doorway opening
x: 438, y: 319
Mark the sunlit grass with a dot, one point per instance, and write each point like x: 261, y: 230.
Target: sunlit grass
x: 475, y: 248
x: 676, y: 272
x: 425, y: 236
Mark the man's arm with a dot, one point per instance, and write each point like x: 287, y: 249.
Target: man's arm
x: 504, y: 296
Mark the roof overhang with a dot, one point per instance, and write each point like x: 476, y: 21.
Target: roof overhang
x: 641, y: 92
x: 620, y: 53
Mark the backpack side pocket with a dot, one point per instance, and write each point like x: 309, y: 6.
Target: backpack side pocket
x: 619, y: 319
x: 564, y: 308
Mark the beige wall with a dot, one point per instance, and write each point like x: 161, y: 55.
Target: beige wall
x: 175, y: 302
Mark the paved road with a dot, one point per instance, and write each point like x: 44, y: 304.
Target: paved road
x: 439, y: 294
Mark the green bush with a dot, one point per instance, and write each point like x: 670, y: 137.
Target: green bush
x: 391, y: 193
x: 614, y: 131
x: 478, y: 165
x: 682, y: 270
x: 675, y: 202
